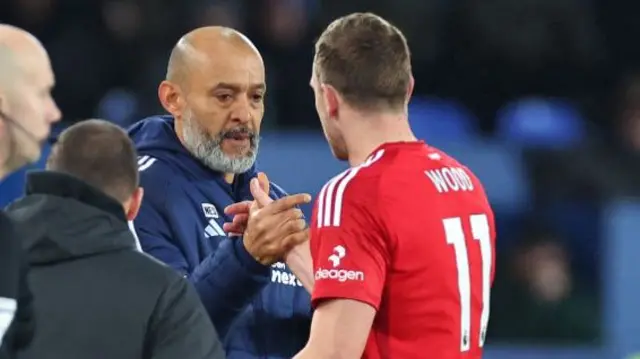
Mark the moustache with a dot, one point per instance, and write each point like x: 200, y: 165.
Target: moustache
x: 238, y: 133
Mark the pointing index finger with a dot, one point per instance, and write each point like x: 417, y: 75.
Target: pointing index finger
x: 287, y: 202
x: 238, y: 208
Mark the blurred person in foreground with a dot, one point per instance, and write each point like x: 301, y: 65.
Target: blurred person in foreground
x: 199, y: 160
x: 403, y: 241
x: 96, y: 295
x: 27, y: 112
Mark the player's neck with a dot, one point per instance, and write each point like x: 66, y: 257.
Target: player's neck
x: 229, y: 177
x: 369, y: 133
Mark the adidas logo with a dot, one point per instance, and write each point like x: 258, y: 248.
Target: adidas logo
x: 213, y: 229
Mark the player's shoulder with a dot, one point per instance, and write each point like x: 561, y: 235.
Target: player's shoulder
x: 350, y: 193
x: 358, y: 181
x: 450, y: 177
x: 438, y: 159
x: 399, y: 168
x: 388, y: 170
x: 377, y: 173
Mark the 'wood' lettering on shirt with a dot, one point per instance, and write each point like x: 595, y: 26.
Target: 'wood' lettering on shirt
x: 450, y: 179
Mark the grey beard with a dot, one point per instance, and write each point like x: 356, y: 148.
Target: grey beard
x: 208, y: 150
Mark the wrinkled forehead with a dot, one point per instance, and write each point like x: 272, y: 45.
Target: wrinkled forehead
x: 241, y: 68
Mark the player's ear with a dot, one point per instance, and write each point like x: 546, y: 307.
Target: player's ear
x: 412, y: 83
x: 134, y: 203
x: 331, y: 100
x: 170, y: 97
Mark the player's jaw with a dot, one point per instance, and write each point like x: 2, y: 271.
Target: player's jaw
x: 339, y: 151
x: 336, y: 142
x: 331, y: 132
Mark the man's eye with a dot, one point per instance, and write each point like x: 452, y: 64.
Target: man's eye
x: 257, y: 97
x: 225, y: 97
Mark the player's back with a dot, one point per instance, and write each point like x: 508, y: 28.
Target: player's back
x: 440, y: 231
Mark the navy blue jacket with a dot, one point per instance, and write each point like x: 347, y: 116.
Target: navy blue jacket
x: 261, y: 312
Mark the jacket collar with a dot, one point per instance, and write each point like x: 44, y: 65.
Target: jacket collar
x: 64, y: 185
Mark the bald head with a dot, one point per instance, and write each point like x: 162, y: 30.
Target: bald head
x: 26, y: 106
x: 215, y: 90
x: 206, y: 43
x: 19, y: 50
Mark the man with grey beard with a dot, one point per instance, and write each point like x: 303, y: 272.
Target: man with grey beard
x: 196, y: 162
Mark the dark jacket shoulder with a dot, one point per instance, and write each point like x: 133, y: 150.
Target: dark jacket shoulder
x: 95, y: 294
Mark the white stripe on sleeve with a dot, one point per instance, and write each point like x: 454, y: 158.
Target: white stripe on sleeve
x: 331, y: 197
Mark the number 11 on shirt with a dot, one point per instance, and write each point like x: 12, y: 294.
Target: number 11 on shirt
x: 455, y: 236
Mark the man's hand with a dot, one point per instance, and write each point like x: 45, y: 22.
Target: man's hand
x: 298, y: 258
x: 273, y: 227
x: 240, y: 211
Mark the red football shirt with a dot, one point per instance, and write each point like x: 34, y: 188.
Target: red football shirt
x: 411, y: 233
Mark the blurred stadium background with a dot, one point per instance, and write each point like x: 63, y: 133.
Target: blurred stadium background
x: 540, y: 98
